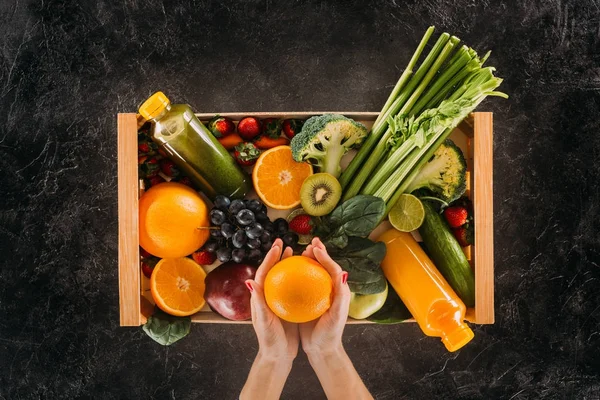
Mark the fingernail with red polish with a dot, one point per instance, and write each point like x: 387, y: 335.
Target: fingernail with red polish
x: 249, y: 286
x: 344, y: 278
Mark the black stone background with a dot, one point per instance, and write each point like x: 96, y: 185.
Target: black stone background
x: 68, y: 67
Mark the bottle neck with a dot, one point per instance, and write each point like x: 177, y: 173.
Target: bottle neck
x: 163, y: 113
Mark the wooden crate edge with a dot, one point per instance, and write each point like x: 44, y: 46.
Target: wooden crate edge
x: 129, y: 256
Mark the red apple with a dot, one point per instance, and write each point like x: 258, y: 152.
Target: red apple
x: 226, y: 292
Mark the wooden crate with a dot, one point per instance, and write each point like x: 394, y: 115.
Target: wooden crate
x: 474, y: 135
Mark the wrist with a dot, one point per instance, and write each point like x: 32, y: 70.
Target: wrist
x: 320, y: 355
x: 274, y: 359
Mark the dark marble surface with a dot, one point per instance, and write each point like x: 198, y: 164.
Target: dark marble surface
x: 67, y: 68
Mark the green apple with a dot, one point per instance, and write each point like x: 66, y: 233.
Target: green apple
x: 365, y: 305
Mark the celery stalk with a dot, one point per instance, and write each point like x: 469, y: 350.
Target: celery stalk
x: 379, y: 129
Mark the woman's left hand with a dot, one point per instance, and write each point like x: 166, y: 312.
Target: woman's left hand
x: 277, y: 339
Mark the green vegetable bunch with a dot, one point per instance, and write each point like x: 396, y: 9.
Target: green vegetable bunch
x: 417, y: 118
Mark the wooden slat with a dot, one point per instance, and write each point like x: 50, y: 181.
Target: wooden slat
x: 483, y: 208
x: 129, y: 252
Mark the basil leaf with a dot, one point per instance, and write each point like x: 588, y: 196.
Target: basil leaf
x: 357, y: 216
x: 393, y: 310
x: 361, y: 258
x: 167, y: 329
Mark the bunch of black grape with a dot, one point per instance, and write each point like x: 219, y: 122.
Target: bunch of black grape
x: 242, y: 230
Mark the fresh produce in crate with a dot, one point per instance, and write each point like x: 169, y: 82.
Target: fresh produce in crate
x: 301, y: 224
x: 271, y: 127
x: 291, y: 127
x: 246, y: 154
x: 193, y: 148
x: 171, y: 216
x: 364, y: 305
x: 243, y: 232
x: 204, y: 257
x: 177, y: 286
x: 148, y: 166
x: 249, y: 128
x: 298, y: 289
x: 420, y: 113
x: 278, y: 178
x: 447, y: 254
x: 320, y: 193
x: 435, y: 306
x: 229, y: 142
x: 169, y: 168
x: 226, y: 292
x: 266, y: 142
x: 456, y: 216
x: 221, y: 127
x: 153, y: 181
x: 325, y: 139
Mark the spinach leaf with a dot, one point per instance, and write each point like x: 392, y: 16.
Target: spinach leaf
x: 362, y: 259
x: 167, y: 329
x: 355, y: 217
x: 393, y: 310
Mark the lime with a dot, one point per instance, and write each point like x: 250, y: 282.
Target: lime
x: 407, y: 214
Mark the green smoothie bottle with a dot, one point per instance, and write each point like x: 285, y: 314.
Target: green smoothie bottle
x: 194, y: 149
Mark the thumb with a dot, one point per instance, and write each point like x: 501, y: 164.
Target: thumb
x: 258, y: 305
x: 341, y: 297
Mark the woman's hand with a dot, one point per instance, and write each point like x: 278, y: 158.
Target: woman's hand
x: 324, y: 335
x: 277, y: 339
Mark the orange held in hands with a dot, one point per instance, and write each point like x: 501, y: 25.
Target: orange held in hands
x: 298, y: 289
x: 170, y: 215
x: 278, y: 178
x: 177, y: 286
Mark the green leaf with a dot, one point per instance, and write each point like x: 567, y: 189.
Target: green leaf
x: 167, y: 329
x: 357, y: 216
x: 393, y: 311
x: 362, y: 259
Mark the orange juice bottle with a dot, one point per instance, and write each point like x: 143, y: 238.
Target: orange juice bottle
x: 432, y: 302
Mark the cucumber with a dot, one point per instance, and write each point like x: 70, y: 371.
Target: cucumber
x: 447, y: 255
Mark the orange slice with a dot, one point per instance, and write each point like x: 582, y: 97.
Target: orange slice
x: 278, y: 178
x: 177, y: 286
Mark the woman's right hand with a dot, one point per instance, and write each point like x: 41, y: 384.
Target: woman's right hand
x: 324, y: 334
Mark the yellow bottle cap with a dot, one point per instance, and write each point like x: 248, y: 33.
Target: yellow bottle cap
x: 154, y: 106
x: 458, y: 338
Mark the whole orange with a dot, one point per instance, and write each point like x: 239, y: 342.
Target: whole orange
x: 298, y: 289
x: 170, y: 215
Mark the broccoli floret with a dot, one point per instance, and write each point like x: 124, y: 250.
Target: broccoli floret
x: 444, y: 175
x: 324, y: 139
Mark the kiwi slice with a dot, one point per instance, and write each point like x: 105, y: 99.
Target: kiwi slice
x: 320, y: 194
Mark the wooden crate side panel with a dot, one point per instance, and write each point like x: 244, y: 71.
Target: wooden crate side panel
x: 483, y: 207
x: 129, y: 253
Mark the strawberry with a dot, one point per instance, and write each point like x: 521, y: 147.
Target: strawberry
x: 221, y: 126
x: 148, y: 265
x: 144, y: 253
x: 246, y: 154
x: 186, y: 181
x: 272, y: 127
x: 204, y: 257
x: 291, y: 127
x: 169, y: 168
x: 464, y: 235
x: 301, y: 224
x: 146, y: 146
x: 249, y: 128
x: 153, y: 181
x: 147, y: 166
x: 456, y: 216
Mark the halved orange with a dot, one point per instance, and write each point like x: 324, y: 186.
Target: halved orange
x: 177, y: 286
x: 278, y: 178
